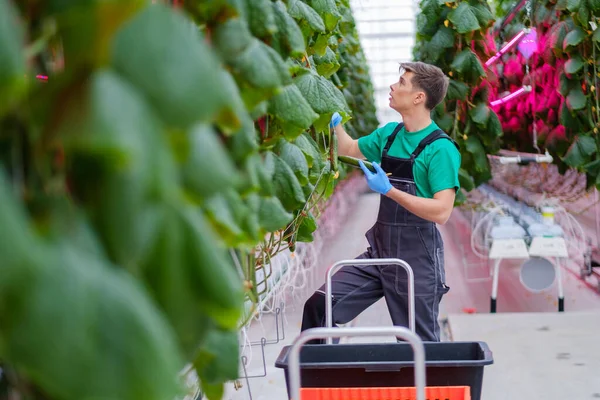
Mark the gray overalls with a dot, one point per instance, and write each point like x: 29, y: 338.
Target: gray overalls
x: 397, y: 234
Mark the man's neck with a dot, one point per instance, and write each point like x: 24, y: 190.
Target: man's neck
x: 416, y: 122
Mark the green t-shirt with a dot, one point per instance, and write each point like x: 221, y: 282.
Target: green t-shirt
x: 435, y: 169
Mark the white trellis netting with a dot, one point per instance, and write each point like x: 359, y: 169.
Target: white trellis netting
x: 294, y: 275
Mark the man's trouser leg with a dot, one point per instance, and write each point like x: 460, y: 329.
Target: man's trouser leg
x: 353, y: 288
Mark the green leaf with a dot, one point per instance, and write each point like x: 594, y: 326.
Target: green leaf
x: 328, y: 64
x: 474, y: 146
x: 82, y: 312
x: 557, y: 35
x: 302, y: 11
x: 465, y: 180
x: 172, y: 66
x: 207, y: 168
x: 583, y: 15
x: 225, y: 211
x: 574, y: 64
x: 294, y: 157
x: 467, y: 64
x: 231, y: 38
x: 113, y: 136
x: 457, y: 90
x: 12, y: 57
x: 287, y: 188
x: 328, y: 10
x: 573, y: 38
x: 234, y: 116
x: 494, y: 126
x: 580, y: 151
x: 217, y: 359
x: 289, y: 33
x: 576, y: 100
x: 594, y: 5
x: 464, y: 19
x: 272, y: 215
x: 561, y: 5
x: 306, y: 228
x: 320, y: 45
x: 309, y: 148
x: 321, y: 93
x: 443, y: 39
x: 292, y: 110
x: 596, y: 35
x: 261, y: 67
x: 574, y: 5
x: 483, y: 13
x: 480, y: 114
x: 189, y: 274
x: 260, y: 17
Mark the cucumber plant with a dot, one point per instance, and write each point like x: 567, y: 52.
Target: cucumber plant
x: 153, y: 158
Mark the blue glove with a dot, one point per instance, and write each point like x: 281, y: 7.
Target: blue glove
x: 336, y: 118
x: 378, y: 182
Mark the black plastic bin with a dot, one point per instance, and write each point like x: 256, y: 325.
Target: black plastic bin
x: 390, y: 365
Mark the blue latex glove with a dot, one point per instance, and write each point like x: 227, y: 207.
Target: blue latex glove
x: 336, y: 118
x: 378, y: 182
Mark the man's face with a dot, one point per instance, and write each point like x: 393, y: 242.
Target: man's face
x: 402, y: 93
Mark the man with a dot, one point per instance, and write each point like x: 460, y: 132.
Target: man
x: 417, y: 177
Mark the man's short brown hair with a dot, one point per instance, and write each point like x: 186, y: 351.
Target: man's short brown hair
x: 430, y: 79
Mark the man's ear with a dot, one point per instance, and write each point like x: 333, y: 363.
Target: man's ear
x: 419, y: 98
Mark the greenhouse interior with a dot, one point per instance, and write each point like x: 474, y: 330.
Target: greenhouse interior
x: 299, y: 199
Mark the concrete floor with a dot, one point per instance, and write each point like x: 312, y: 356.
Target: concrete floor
x: 528, y: 357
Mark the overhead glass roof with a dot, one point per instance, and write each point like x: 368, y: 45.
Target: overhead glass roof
x: 387, y: 33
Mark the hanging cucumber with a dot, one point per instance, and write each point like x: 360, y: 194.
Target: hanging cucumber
x: 354, y: 162
x: 333, y: 151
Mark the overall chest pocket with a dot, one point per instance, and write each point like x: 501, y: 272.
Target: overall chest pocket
x: 403, y: 185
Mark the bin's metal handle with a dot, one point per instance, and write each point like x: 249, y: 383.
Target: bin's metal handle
x: 371, y: 261
x: 319, y: 333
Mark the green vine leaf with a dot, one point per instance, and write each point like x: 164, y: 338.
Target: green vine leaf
x: 171, y: 48
x: 294, y: 157
x: 12, y: 58
x: 576, y: 100
x: 574, y: 5
x: 289, y: 34
x: 596, y: 35
x: 272, y: 215
x: 574, y: 64
x: 287, y: 188
x: 465, y: 180
x: 457, y: 90
x: 480, y: 114
x: 573, y: 38
x: 464, y: 19
x: 443, y: 39
x: 474, y: 146
x: 328, y: 11
x: 321, y: 93
x: 302, y: 11
x: 292, y: 110
x: 483, y: 13
x: 468, y: 65
x: 580, y: 151
x: 260, y: 18
x: 594, y: 5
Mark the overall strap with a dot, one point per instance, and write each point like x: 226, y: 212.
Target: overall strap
x: 391, y: 138
x: 432, y: 137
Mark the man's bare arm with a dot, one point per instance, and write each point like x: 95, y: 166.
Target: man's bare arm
x: 437, y: 210
x: 346, y: 145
